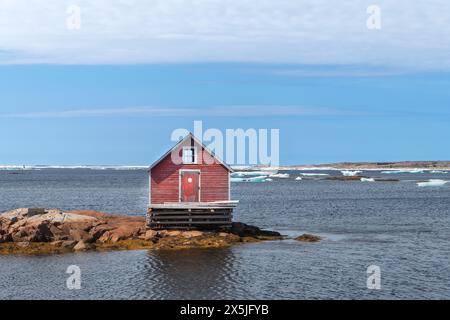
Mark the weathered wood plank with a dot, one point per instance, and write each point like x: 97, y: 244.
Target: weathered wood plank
x: 188, y: 217
x: 184, y: 223
x: 192, y: 212
x: 192, y: 205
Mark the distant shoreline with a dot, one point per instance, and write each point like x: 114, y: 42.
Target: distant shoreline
x: 401, y: 165
x: 367, y: 166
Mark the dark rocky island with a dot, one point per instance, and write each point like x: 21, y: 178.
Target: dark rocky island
x: 37, y: 231
x: 435, y: 165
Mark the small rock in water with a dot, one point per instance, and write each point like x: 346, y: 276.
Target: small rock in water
x: 345, y: 178
x: 308, y: 238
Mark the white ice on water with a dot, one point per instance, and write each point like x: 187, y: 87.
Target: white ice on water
x: 348, y: 173
x: 432, y: 183
x: 280, y: 175
x: 257, y: 176
x: 367, y: 179
x: 314, y: 174
x: 402, y: 171
x: 240, y: 174
x: 249, y: 179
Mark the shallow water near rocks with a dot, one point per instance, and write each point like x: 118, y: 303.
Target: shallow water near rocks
x: 398, y: 226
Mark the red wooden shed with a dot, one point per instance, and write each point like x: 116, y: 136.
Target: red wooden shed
x: 189, y: 187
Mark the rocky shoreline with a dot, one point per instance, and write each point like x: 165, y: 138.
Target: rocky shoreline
x: 41, y: 231
x: 397, y: 165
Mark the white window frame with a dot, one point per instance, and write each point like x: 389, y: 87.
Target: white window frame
x: 195, y: 155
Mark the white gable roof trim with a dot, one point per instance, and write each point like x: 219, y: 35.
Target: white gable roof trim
x: 189, y: 136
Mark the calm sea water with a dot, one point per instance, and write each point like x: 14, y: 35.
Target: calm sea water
x: 398, y: 226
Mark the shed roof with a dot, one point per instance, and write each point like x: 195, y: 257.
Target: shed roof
x: 191, y: 136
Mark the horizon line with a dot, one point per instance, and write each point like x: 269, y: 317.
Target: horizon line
x: 62, y: 166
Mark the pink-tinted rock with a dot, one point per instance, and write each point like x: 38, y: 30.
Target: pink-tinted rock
x: 192, y: 234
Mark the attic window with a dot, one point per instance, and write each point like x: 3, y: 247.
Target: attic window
x: 189, y: 155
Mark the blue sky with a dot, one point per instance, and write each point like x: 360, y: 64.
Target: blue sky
x: 123, y: 114
x: 113, y: 91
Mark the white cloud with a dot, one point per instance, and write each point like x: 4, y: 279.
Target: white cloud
x: 413, y: 34
x: 217, y: 111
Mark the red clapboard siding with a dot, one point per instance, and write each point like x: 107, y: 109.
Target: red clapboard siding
x: 214, y: 179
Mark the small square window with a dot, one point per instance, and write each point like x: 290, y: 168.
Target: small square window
x: 189, y: 155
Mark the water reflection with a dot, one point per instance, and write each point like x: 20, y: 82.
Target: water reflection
x: 190, y: 274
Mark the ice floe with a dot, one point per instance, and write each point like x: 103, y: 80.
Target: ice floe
x: 280, y: 175
x: 402, y: 171
x: 240, y: 174
x: 432, y: 183
x: 348, y: 173
x: 249, y: 179
x: 314, y: 174
x: 367, y: 179
x: 257, y: 176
